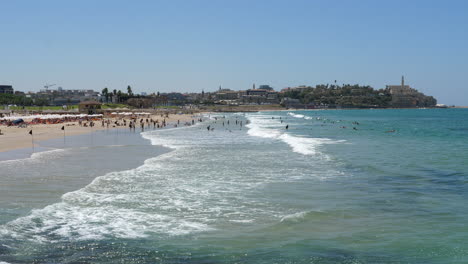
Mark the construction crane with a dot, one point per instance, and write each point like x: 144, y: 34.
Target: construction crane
x: 48, y: 85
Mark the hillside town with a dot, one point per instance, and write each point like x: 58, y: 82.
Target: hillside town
x: 328, y: 96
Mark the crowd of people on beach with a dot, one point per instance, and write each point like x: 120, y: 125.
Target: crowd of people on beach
x: 148, y: 121
x: 45, y: 119
x: 114, y: 120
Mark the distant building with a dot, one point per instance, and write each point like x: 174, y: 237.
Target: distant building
x: 296, y: 103
x: 89, y: 107
x: 62, y: 96
x: 257, y: 92
x: 266, y: 87
x: 300, y: 88
x: 227, y: 94
x: 6, y: 89
x: 259, y: 96
x: 405, y: 96
x: 174, y: 98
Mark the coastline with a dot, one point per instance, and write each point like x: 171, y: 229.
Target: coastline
x: 201, y: 194
x: 56, y: 169
x: 15, y: 137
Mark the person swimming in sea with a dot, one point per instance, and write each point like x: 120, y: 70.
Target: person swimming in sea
x: 287, y: 127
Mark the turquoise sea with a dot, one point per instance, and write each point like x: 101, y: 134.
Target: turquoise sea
x: 337, y: 186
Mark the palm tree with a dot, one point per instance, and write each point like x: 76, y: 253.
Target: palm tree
x: 129, y: 91
x: 119, y: 96
x: 105, y: 92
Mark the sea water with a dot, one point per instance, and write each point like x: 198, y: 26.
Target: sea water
x: 338, y: 186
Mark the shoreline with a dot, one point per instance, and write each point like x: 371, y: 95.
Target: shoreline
x: 16, y: 138
x: 70, y: 167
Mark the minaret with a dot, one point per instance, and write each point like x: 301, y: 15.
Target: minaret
x: 253, y: 86
x: 402, y: 82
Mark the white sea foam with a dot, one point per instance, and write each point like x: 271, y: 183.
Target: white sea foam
x: 197, y: 187
x: 295, y: 115
x: 114, y: 205
x: 296, y: 217
x: 37, y: 156
x: 306, y: 146
x: 159, y: 141
x: 258, y: 131
x: 64, y: 221
x: 300, y: 116
x: 263, y: 127
x: 300, y: 216
x: 259, y: 127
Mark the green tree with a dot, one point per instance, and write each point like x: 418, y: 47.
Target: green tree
x: 105, y: 92
x: 119, y: 96
x: 129, y: 91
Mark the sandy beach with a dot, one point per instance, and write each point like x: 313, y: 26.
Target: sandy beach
x: 15, y: 137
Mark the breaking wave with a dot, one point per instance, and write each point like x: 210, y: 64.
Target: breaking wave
x: 267, y: 128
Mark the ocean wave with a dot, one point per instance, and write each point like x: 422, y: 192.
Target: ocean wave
x: 300, y: 116
x: 159, y: 141
x: 303, y: 216
x: 173, y: 194
x: 37, y: 156
x: 257, y: 131
x: 111, y: 206
x: 296, y: 217
x: 306, y: 146
x: 65, y: 221
x: 295, y: 115
x: 156, y: 140
x: 303, y: 145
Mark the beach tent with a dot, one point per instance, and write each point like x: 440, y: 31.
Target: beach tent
x: 18, y: 121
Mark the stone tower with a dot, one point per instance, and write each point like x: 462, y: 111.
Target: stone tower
x: 402, y: 82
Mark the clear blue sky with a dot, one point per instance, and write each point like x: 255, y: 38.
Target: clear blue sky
x: 193, y: 45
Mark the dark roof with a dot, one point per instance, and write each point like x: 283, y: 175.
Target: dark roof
x: 89, y: 103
